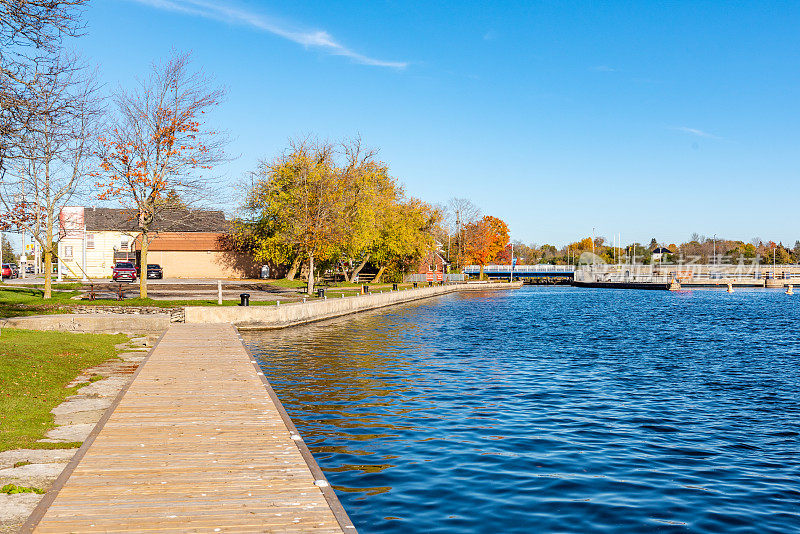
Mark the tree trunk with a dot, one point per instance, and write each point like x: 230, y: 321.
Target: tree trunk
x: 48, y: 259
x: 143, y: 268
x: 377, y: 279
x: 358, y: 269
x: 481, y: 275
x: 293, y: 269
x: 48, y: 266
x: 310, y: 286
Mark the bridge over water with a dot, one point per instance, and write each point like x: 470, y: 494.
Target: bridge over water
x: 522, y: 272
x: 687, y: 273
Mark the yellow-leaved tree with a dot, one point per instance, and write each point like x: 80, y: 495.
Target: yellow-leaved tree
x: 299, y: 201
x: 405, y: 235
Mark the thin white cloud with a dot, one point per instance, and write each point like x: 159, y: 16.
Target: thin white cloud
x: 603, y: 68
x: 310, y: 39
x: 696, y: 132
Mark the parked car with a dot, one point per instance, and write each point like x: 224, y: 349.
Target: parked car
x: 123, y: 270
x: 7, y: 271
x: 29, y: 269
x: 14, y: 270
x: 154, y: 271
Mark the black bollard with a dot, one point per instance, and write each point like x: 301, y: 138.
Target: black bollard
x: 416, y: 285
x: 245, y: 299
x: 394, y: 287
x: 430, y: 284
x: 365, y: 290
x: 321, y: 292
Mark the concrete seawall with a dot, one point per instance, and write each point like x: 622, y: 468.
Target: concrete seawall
x: 96, y: 323
x: 271, y: 317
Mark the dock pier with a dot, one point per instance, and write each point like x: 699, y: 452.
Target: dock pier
x: 197, y: 442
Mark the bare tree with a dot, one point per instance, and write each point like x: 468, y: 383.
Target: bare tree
x: 462, y: 213
x: 52, y: 156
x: 31, y: 32
x: 157, y: 144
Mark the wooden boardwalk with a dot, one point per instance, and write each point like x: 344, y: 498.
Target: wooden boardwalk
x: 198, y: 443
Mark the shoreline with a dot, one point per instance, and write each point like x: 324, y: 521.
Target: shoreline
x: 298, y: 313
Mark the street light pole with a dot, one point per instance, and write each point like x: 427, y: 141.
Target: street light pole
x: 512, y: 262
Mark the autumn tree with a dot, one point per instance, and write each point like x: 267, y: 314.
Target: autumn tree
x: 405, y: 235
x: 52, y: 158
x: 332, y: 204
x: 488, y: 236
x: 157, y: 145
x: 368, y: 193
x: 256, y: 231
x: 298, y: 198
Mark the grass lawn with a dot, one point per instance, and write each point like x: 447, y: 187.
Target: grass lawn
x: 165, y: 303
x: 22, y: 301
x: 56, y: 285
x: 17, y: 302
x: 35, y: 367
x: 283, y: 282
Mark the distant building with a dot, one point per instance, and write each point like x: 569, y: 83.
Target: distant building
x: 432, y: 262
x: 186, y: 243
x: 657, y: 254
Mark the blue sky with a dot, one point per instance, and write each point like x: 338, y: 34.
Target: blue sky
x: 646, y: 118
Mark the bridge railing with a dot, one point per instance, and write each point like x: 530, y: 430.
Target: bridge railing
x: 422, y: 277
x: 520, y: 269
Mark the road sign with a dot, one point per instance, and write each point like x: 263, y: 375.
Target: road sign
x: 430, y: 276
x: 439, y: 276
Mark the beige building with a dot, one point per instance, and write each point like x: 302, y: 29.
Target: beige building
x: 186, y: 243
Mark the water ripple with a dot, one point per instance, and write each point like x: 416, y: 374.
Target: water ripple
x: 554, y: 409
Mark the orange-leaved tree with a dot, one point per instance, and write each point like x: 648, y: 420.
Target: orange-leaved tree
x: 158, y: 147
x: 486, y: 238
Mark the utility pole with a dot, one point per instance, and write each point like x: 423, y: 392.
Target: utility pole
x: 714, y: 262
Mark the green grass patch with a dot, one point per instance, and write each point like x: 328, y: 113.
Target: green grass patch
x: 11, y: 489
x: 284, y: 283
x: 165, y: 303
x: 23, y: 301
x: 22, y: 463
x: 35, y: 368
x: 60, y: 286
x: 95, y: 378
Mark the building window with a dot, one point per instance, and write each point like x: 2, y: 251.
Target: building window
x: 124, y: 246
x: 67, y: 252
x: 89, y: 241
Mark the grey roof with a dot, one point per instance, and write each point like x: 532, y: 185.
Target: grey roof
x: 167, y: 220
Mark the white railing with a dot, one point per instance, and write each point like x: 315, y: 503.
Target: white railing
x: 520, y: 269
x: 686, y: 272
x: 423, y: 277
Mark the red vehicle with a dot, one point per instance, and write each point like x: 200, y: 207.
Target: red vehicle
x: 124, y: 270
x: 7, y: 271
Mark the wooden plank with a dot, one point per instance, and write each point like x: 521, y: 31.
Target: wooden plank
x: 198, y: 442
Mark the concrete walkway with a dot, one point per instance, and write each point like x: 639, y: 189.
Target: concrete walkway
x: 198, y: 442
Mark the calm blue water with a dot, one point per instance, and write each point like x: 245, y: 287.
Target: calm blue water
x: 554, y: 409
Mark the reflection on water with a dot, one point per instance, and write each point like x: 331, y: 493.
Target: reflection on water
x: 553, y: 409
